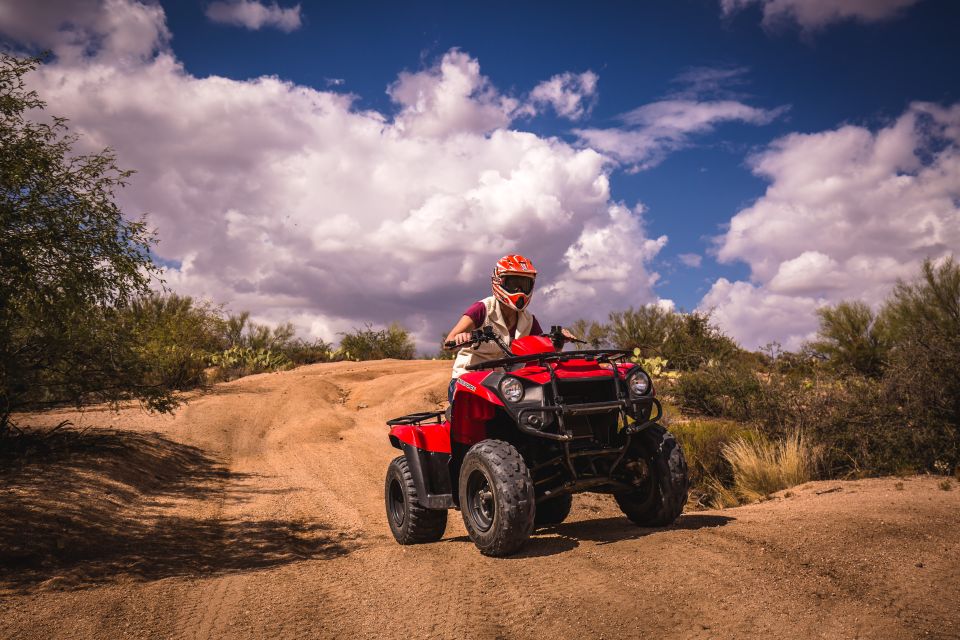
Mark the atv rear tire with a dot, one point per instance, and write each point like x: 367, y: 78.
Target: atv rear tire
x: 496, y: 497
x: 409, y: 521
x: 553, y: 511
x: 660, y: 499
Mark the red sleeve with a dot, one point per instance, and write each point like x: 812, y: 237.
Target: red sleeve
x: 478, y: 313
x: 535, y: 329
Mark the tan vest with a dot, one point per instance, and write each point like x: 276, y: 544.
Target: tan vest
x: 490, y: 350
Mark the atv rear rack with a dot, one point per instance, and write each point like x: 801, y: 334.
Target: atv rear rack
x: 425, y: 417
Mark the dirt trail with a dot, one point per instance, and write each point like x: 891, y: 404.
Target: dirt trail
x: 256, y: 512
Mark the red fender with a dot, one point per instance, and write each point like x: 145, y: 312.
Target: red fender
x: 429, y: 437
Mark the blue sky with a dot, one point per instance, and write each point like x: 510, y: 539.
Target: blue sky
x: 810, y: 69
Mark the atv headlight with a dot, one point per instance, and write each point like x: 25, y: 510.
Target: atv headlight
x: 512, y: 389
x: 639, y: 383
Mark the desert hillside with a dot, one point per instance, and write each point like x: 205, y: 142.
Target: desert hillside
x: 256, y: 512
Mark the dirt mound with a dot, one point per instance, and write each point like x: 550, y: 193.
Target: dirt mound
x: 256, y: 512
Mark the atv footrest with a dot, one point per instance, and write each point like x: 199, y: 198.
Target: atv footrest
x: 429, y: 417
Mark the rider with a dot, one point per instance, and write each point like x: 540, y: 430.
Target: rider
x: 505, y: 311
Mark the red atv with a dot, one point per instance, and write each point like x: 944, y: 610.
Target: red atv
x: 524, y: 433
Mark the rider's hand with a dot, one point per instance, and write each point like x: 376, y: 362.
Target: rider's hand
x: 568, y: 335
x: 460, y: 338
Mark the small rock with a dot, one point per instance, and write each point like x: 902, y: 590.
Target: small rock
x: 362, y: 405
x: 919, y: 565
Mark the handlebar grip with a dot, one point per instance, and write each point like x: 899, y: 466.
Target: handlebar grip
x: 450, y: 344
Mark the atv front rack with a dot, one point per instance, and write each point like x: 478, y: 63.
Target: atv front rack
x: 600, y: 355
x: 426, y: 417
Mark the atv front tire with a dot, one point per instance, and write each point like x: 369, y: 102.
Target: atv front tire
x: 554, y: 510
x: 660, y: 498
x: 496, y: 497
x: 409, y: 521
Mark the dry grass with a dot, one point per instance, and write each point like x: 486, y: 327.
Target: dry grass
x: 720, y: 496
x: 762, y: 467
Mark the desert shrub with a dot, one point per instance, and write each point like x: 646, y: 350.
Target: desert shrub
x: 237, y: 362
x: 645, y: 328
x: 596, y: 334
x: 370, y: 344
x: 695, y: 342
x: 299, y: 351
x: 923, y: 376
x: 721, y: 391
x: 762, y: 466
x: 687, y: 340
x: 257, y: 347
x: 851, y: 339
x: 175, y: 336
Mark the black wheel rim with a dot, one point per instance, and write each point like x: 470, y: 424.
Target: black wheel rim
x: 481, y: 501
x: 397, y: 512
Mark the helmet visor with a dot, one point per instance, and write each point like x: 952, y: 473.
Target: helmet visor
x: 517, y: 284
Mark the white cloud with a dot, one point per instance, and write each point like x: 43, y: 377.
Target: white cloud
x: 124, y: 32
x: 606, y: 263
x: 571, y: 95
x: 847, y: 213
x: 293, y: 203
x: 451, y: 97
x: 692, y: 260
x: 816, y: 14
x: 655, y: 129
x: 254, y: 15
x: 755, y: 317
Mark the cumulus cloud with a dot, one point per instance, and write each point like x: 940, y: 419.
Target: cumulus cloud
x: 293, y: 203
x: 450, y: 97
x: 571, y: 95
x: 847, y: 213
x: 124, y: 32
x: 254, y: 15
x: 816, y: 14
x: 652, y: 131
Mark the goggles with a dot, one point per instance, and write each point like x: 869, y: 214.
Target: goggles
x: 517, y: 284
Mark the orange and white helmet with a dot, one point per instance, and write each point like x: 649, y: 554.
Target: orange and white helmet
x: 513, y: 279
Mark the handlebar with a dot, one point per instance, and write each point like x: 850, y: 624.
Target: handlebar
x: 486, y: 334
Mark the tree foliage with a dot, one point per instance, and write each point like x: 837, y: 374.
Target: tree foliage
x: 923, y: 375
x: 69, y: 262
x: 851, y: 338
x: 687, y: 341
x: 596, y: 334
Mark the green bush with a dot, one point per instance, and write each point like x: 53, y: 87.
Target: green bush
x: 370, y: 344
x: 645, y: 328
x: 695, y: 342
x: 923, y: 376
x: 237, y: 362
x: 596, y: 334
x: 175, y: 336
x: 687, y: 340
x: 720, y: 391
x: 851, y: 339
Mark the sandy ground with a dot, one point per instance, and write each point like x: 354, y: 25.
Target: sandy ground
x: 257, y: 512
